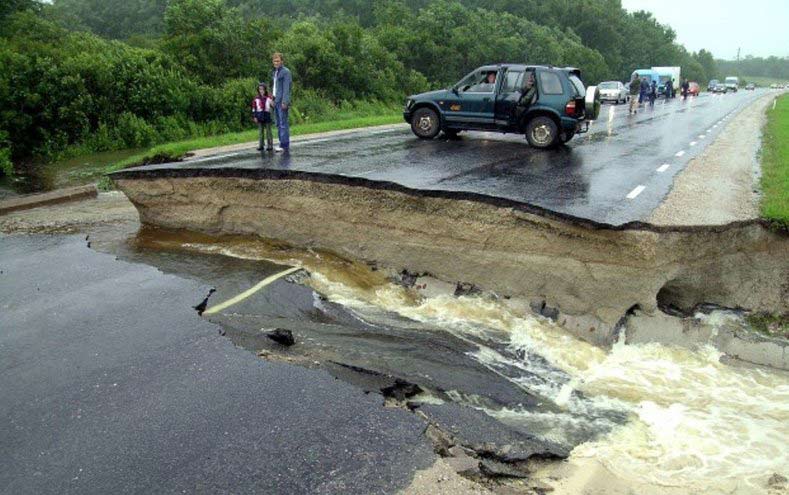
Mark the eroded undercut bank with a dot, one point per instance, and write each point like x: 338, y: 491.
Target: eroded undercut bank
x: 589, y: 275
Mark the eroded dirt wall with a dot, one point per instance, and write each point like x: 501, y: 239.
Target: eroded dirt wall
x: 592, y: 274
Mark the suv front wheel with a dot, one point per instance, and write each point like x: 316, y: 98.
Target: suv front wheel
x: 425, y: 123
x: 542, y: 132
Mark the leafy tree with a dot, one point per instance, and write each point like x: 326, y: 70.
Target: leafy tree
x: 8, y: 7
x: 707, y: 62
x: 215, y: 42
x: 118, y: 19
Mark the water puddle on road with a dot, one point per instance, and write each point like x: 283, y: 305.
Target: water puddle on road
x: 669, y: 418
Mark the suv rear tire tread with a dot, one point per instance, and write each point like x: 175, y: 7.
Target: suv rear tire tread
x: 542, y: 132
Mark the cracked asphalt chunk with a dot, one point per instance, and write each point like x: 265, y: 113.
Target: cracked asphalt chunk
x: 112, y: 383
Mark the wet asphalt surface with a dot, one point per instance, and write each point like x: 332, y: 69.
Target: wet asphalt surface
x: 111, y: 383
x: 591, y: 177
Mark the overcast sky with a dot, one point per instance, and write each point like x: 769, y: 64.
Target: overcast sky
x: 759, y: 27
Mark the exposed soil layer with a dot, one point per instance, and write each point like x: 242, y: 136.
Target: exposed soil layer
x: 592, y: 274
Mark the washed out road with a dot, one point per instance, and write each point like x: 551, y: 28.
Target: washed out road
x: 111, y: 382
x: 617, y: 173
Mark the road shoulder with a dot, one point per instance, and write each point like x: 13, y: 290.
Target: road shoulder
x: 720, y: 185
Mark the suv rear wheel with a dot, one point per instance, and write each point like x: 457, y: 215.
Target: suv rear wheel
x: 425, y: 123
x: 542, y: 132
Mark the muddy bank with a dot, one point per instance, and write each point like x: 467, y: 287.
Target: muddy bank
x: 588, y: 275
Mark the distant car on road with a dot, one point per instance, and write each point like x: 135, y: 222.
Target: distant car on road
x: 720, y: 88
x: 693, y: 88
x: 750, y: 86
x: 613, y: 91
x: 732, y: 83
x: 498, y: 98
x: 712, y: 84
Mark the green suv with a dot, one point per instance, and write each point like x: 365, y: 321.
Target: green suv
x: 548, y: 104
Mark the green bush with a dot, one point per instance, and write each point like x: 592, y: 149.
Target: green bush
x: 133, y: 131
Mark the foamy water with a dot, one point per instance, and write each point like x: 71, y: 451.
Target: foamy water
x: 693, y: 422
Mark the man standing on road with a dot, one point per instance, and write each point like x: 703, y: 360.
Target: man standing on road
x: 635, y: 91
x: 652, y: 93
x: 685, y: 89
x: 282, y: 83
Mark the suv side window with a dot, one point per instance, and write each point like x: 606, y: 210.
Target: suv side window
x: 513, y: 81
x: 580, y: 90
x: 550, y: 83
x: 477, y: 82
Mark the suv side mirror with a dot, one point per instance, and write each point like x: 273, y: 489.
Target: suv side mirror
x: 455, y: 89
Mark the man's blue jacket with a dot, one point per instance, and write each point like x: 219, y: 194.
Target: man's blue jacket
x: 284, y: 83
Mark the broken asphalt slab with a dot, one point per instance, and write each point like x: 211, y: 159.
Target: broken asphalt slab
x: 47, y: 198
x: 112, y: 383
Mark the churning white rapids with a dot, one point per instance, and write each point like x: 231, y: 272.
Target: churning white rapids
x: 695, y: 425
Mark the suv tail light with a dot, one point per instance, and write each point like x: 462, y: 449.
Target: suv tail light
x: 570, y: 108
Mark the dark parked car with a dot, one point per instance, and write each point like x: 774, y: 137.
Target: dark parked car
x: 547, y: 104
x: 712, y: 84
x: 720, y: 88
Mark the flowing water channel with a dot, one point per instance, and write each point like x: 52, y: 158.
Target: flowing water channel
x: 650, y: 415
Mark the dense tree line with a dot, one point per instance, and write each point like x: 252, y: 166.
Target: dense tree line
x: 770, y: 67
x: 105, y: 74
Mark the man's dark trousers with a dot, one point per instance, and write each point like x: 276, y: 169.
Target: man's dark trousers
x: 283, y: 127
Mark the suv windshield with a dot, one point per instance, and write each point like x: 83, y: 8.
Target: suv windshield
x: 580, y: 91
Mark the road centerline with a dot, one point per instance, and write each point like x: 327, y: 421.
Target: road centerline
x: 635, y: 192
x: 237, y: 299
x: 663, y: 168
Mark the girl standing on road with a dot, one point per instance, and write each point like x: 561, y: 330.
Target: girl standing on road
x: 261, y: 114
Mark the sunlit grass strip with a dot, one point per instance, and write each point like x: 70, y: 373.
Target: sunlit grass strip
x: 775, y: 164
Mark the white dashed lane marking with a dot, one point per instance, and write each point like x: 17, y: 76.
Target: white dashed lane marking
x: 680, y: 153
x: 693, y: 143
x: 635, y: 192
x: 663, y: 168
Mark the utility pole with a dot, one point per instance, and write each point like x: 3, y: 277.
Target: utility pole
x: 739, y: 72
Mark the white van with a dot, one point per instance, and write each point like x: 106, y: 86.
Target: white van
x: 732, y: 83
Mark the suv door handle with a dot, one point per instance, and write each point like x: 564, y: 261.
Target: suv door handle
x: 487, y: 98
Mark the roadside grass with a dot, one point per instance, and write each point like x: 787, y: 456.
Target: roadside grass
x: 775, y: 165
x: 177, y: 150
